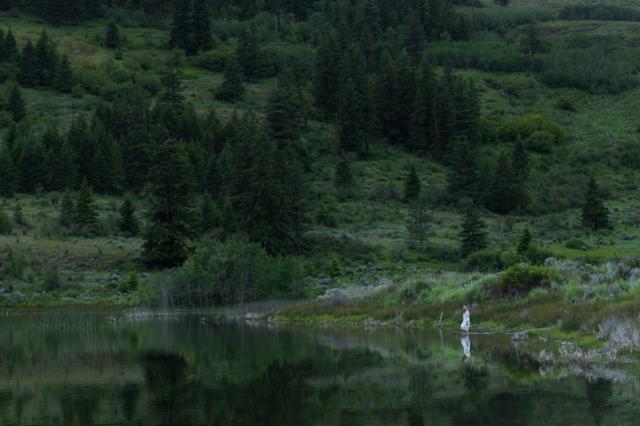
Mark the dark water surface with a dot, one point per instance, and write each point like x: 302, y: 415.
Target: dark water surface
x: 106, y: 369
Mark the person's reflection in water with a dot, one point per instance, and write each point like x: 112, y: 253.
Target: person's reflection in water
x: 466, y: 347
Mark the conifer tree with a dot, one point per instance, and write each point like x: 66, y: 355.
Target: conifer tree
x: 232, y: 88
x: 29, y: 69
x: 112, y: 38
x: 19, y: 217
x: 343, y: 176
x: 202, y: 39
x: 248, y: 54
x: 85, y: 213
x: 423, y: 119
x: 415, y: 38
x: 63, y: 78
x: 207, y: 214
x: 67, y: 211
x: 181, y: 27
x: 327, y: 75
x: 418, y: 221
x: 32, y: 166
x: 7, y: 174
x: 595, y: 215
x: 502, y: 197
x: 172, y: 88
x: 284, y: 114
x: 5, y: 223
x: 15, y: 104
x: 412, y: 185
x: 46, y: 59
x: 463, y: 177
x: 472, y: 235
x: 525, y: 242
x: 10, y: 48
x: 128, y: 223
x: 169, y: 233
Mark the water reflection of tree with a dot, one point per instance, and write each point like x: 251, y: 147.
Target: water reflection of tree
x: 598, y: 392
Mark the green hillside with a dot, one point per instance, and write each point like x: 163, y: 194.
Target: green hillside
x: 328, y: 206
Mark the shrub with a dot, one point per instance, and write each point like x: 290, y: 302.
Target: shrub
x: 567, y: 103
x: 485, y: 261
x: 520, y: 279
x: 492, y: 19
x: 525, y: 126
x: 576, y: 244
x: 599, y: 12
x: 233, y: 272
x: 5, y: 223
x: 216, y: 60
x: 51, y: 280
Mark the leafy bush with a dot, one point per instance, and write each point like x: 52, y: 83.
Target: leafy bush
x: 576, y: 244
x: 525, y: 126
x: 540, y: 141
x: 216, y: 60
x: 567, y: 103
x: 485, y: 261
x: 233, y: 272
x: 520, y: 279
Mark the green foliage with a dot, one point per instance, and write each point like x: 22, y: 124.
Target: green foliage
x: 412, y: 185
x: 128, y: 222
x: 598, y: 12
x: 67, y: 210
x: 232, y: 88
x: 486, y: 260
x: 473, y: 235
x: 494, y: 19
x: 418, y: 219
x: 343, y: 175
x: 5, y: 223
x: 19, y: 217
x: 595, y: 215
x: 567, y: 103
x: 16, y: 104
x: 112, y: 37
x: 131, y: 284
x: 169, y: 232
x: 524, y: 243
x: 523, y: 127
x: 520, y: 279
x: 233, y: 272
x: 85, y: 214
x: 51, y: 280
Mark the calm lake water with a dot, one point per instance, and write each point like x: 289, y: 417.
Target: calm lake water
x: 78, y: 369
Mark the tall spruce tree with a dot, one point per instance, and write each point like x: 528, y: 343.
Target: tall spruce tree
x: 412, y: 185
x: 463, y: 176
x: 29, y: 68
x: 128, y: 222
x: 63, y: 78
x: 181, y: 28
x: 284, y: 114
x: 343, y: 175
x: 595, y: 215
x: 525, y: 242
x: 85, y: 213
x: 7, y: 174
x: 327, y: 75
x: 423, y: 124
x: 473, y: 235
x: 15, y: 104
x: 502, y: 196
x: 202, y: 39
x: 112, y: 38
x: 248, y: 54
x: 10, y: 48
x: 169, y: 232
x: 232, y: 88
x: 207, y: 219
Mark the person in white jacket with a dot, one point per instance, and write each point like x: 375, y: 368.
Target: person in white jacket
x: 466, y: 320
